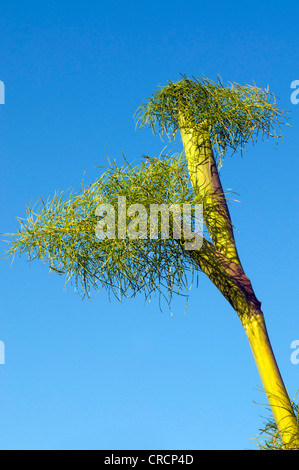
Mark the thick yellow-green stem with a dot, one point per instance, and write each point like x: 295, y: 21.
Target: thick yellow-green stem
x: 235, y: 286
x: 207, y: 187
x: 274, y: 387
x: 221, y: 263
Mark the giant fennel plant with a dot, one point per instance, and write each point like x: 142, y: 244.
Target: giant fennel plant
x: 209, y: 119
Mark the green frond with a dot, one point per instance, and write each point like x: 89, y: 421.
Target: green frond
x: 61, y: 233
x: 235, y: 114
x: 270, y: 437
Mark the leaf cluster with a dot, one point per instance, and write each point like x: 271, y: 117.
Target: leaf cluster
x: 270, y: 436
x: 61, y: 233
x: 235, y: 114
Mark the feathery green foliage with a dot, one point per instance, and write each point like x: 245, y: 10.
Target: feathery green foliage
x: 270, y: 437
x: 235, y: 113
x: 61, y: 232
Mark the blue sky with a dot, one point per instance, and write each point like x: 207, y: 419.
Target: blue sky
x: 105, y: 375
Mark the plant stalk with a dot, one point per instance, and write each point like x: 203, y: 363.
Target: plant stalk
x: 256, y: 331
x: 221, y: 263
x: 235, y: 286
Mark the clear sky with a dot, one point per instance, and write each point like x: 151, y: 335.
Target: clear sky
x: 105, y: 375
